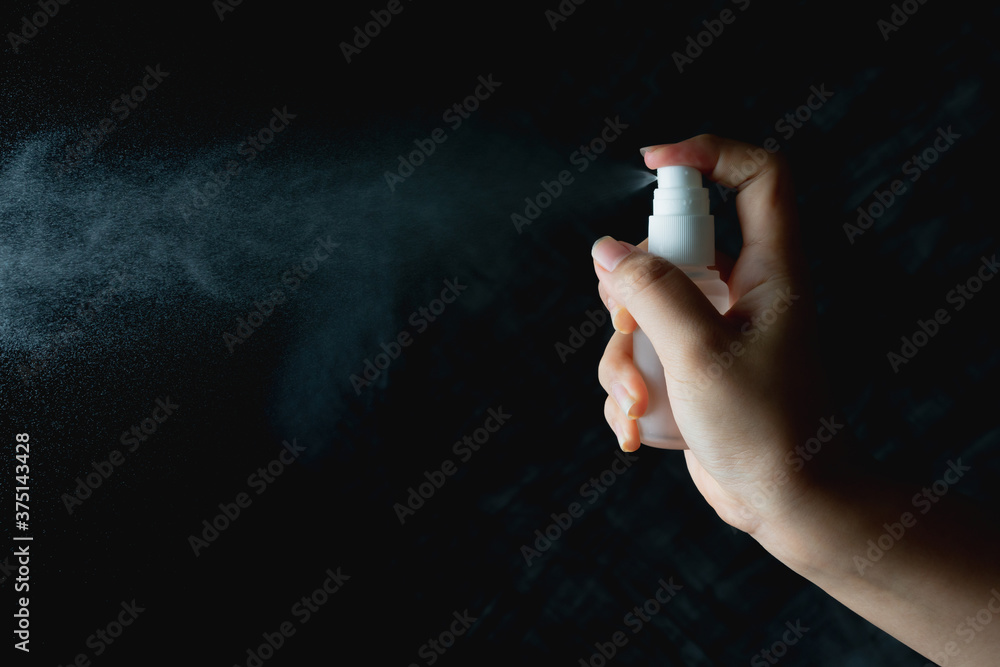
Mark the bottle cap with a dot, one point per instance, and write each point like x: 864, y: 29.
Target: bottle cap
x: 681, y: 229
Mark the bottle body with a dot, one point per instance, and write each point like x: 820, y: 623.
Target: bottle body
x: 682, y: 231
x: 657, y: 426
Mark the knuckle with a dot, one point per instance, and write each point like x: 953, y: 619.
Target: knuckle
x: 609, y: 410
x: 607, y: 368
x: 642, y: 271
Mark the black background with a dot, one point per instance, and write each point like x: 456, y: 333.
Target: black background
x: 496, y: 345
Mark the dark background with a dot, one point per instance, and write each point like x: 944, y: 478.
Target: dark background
x: 495, y: 346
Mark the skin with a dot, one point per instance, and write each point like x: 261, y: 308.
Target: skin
x: 745, y: 430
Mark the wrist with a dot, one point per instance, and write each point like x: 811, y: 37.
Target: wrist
x: 818, y: 515
x: 803, y: 531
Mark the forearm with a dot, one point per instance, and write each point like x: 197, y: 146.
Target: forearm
x: 921, y: 566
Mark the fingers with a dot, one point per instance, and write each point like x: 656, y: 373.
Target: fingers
x: 765, y: 203
x: 627, y: 397
x: 619, y: 377
x: 621, y: 319
x: 663, y: 300
x: 626, y: 430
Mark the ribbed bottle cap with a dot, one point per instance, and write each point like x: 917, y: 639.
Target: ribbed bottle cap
x: 684, y: 240
x: 681, y: 228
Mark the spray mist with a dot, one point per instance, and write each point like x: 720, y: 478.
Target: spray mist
x: 682, y: 231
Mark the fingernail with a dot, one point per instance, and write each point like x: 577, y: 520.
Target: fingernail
x: 647, y: 149
x: 608, y: 252
x: 621, y: 438
x: 623, y: 399
x: 615, y: 311
x: 615, y: 314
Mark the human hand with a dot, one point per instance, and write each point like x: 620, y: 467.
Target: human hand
x: 745, y: 387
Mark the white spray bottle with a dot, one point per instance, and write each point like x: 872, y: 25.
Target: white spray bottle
x: 682, y: 231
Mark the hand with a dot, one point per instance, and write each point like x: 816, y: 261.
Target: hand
x: 746, y: 419
x: 745, y: 387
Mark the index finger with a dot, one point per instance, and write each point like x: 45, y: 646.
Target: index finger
x: 765, y: 202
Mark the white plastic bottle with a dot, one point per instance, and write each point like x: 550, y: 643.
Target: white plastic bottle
x: 682, y: 231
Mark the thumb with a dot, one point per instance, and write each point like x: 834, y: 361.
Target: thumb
x: 679, y: 320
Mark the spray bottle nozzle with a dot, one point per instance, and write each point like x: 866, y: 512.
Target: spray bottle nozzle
x: 681, y: 228
x: 678, y: 176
